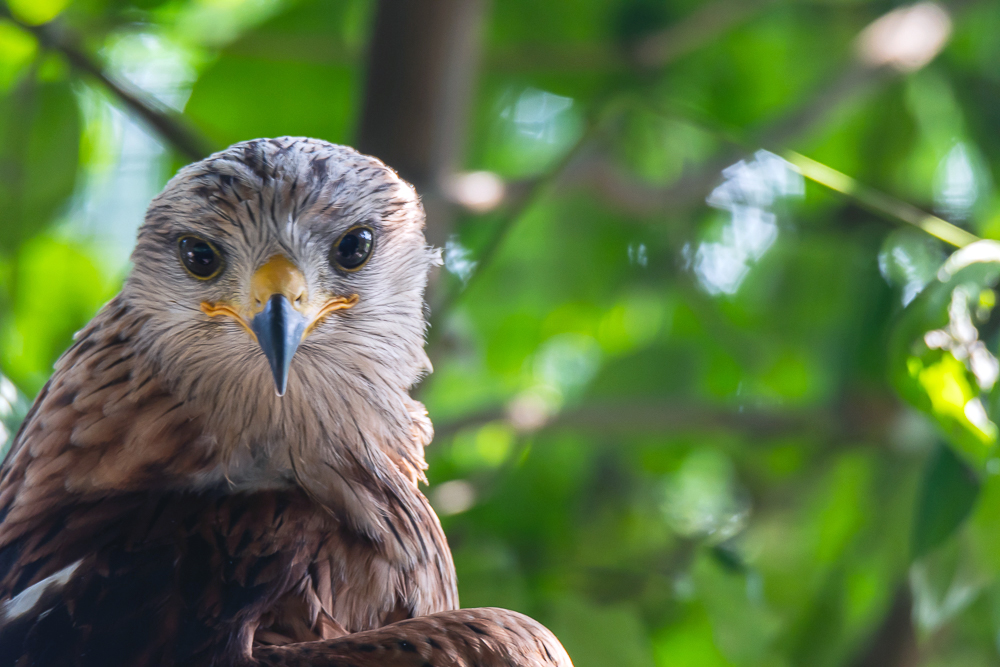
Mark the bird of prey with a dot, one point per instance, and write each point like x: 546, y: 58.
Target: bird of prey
x: 223, y: 468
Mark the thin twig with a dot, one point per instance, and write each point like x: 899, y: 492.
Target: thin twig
x: 697, y: 28
x: 534, y: 190
x: 170, y: 125
x: 880, y: 202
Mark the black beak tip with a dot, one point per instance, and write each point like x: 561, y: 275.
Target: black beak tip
x: 279, y: 329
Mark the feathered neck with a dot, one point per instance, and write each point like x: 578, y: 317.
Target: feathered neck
x: 353, y: 442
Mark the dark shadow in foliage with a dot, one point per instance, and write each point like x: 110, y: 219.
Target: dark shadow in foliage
x: 947, y: 495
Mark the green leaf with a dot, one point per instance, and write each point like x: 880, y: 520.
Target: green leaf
x: 689, y: 641
x: 596, y: 636
x: 948, y: 493
x: 39, y: 151
x: 302, y: 99
x: 296, y: 75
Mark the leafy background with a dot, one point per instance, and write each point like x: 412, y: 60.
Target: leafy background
x: 700, y: 400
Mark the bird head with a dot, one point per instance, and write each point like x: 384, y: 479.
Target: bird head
x: 281, y: 273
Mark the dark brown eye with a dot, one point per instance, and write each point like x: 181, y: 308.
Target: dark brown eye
x: 352, y: 250
x: 199, y: 257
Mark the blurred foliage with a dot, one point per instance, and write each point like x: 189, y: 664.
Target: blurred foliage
x: 727, y: 433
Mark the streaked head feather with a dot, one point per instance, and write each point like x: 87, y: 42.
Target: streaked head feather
x: 347, y: 404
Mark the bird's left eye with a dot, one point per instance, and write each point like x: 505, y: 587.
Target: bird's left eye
x: 199, y: 257
x: 351, y: 251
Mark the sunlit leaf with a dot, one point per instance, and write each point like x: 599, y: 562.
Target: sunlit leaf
x: 909, y: 261
x: 17, y: 48
x: 13, y: 409
x: 36, y: 12
x: 689, y: 642
x: 941, y: 357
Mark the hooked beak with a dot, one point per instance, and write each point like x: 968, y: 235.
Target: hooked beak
x: 282, y: 314
x: 279, y: 328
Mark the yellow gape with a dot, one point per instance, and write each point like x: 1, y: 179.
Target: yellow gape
x: 280, y: 314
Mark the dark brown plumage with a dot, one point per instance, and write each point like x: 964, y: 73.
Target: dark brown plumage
x: 161, y: 505
x: 481, y: 637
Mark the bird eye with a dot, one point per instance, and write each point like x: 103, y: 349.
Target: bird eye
x: 352, y: 250
x: 199, y: 257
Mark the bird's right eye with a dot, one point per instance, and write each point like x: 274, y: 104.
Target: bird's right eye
x: 201, y: 259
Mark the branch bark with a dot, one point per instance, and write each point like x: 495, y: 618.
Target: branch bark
x: 894, y: 643
x: 170, y: 125
x: 422, y: 60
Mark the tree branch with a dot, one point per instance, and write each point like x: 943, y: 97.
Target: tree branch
x: 853, y: 418
x: 862, y: 74
x: 170, y: 125
x: 422, y: 59
x: 700, y: 26
x: 894, y: 643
